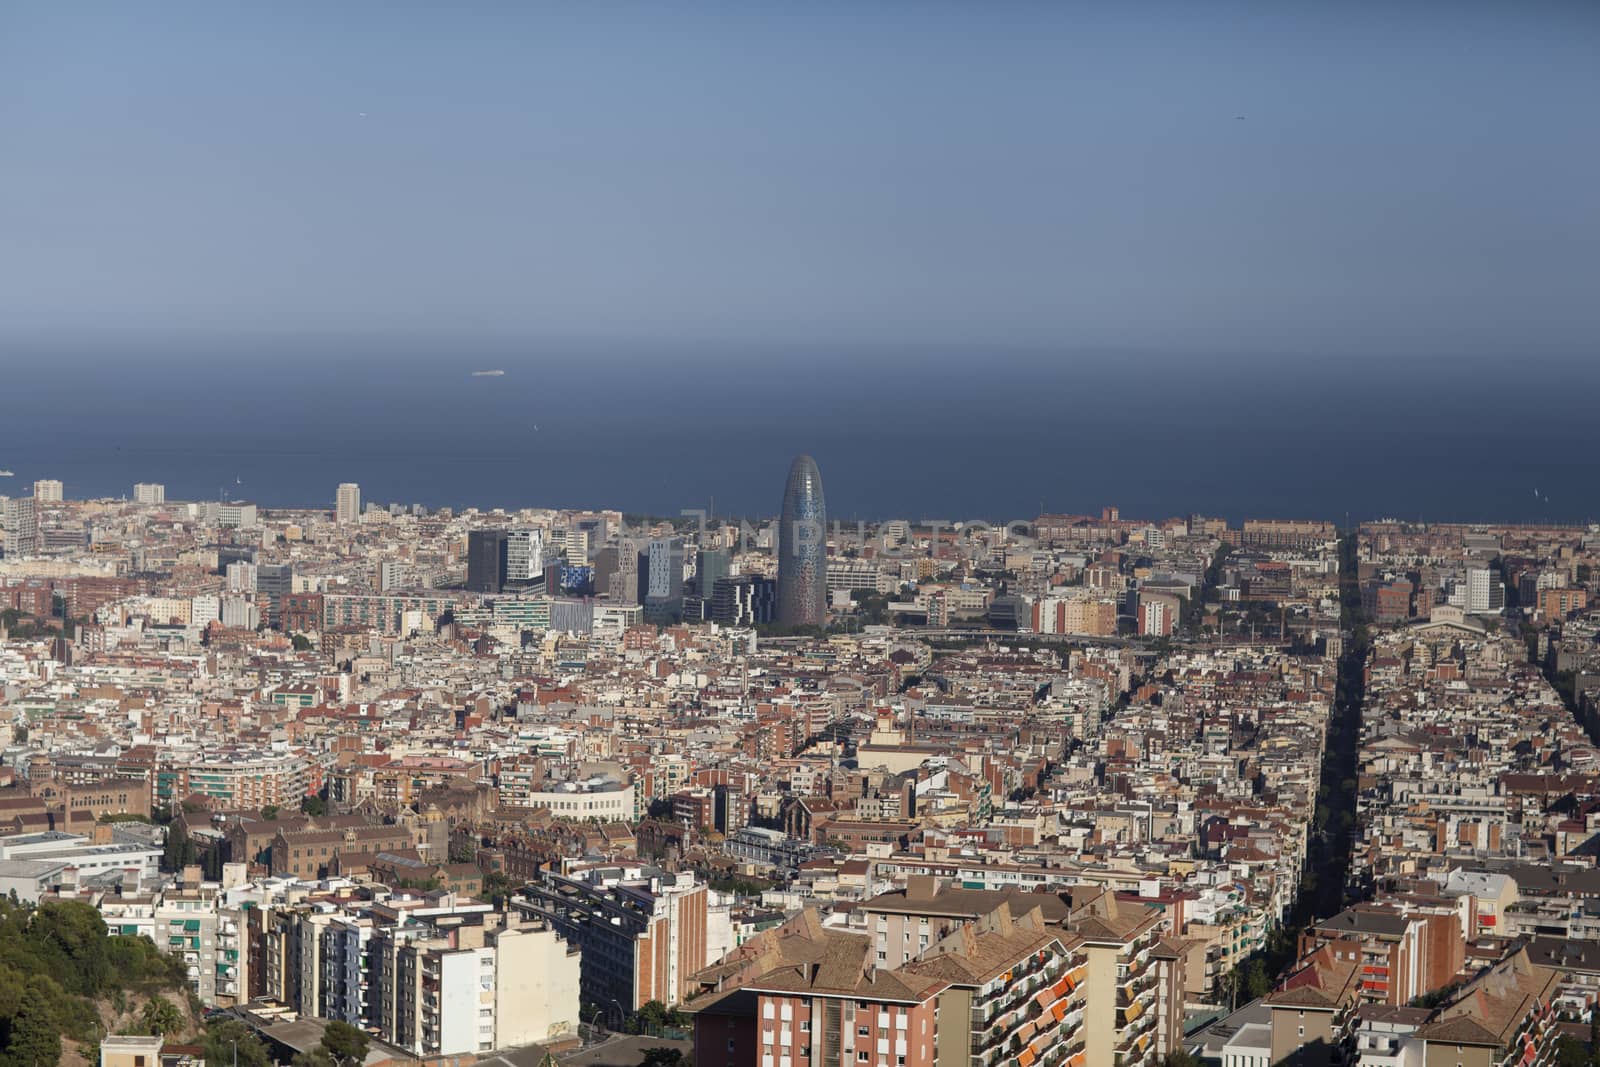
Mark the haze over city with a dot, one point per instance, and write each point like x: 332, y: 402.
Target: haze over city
x: 826, y: 535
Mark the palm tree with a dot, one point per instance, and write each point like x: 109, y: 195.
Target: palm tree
x: 161, y: 1017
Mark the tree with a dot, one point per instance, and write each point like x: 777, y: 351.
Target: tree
x: 659, y: 809
x: 1250, y: 980
x: 33, y: 1039
x: 179, y: 852
x: 69, y: 938
x: 662, y: 1056
x: 225, y: 1036
x: 314, y: 806
x: 497, y: 887
x: 344, y: 1043
x: 651, y: 1017
x: 270, y: 813
x: 301, y: 642
x: 160, y: 1016
x: 1570, y: 1053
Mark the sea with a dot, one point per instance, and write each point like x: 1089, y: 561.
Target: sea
x: 917, y: 434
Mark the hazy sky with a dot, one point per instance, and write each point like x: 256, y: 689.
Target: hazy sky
x: 1406, y: 177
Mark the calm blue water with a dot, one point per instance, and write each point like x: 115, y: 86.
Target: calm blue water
x: 911, y: 435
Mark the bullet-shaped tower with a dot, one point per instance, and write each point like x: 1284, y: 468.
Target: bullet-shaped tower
x: 803, y: 548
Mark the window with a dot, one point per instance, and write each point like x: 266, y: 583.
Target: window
x: 863, y: 1031
x: 861, y: 1057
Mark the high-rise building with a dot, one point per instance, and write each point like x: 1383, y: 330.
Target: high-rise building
x: 576, y: 547
x: 19, y: 517
x: 641, y: 931
x: 347, y: 503
x: 711, y: 564
x: 486, y: 560
x: 619, y: 573
x: 242, y: 577
x: 274, y: 581
x: 48, y: 491
x: 666, y: 569
x: 803, y: 548
x: 743, y: 600
x: 149, y: 493
x: 524, y: 556
x: 663, y: 599
x: 1486, y: 593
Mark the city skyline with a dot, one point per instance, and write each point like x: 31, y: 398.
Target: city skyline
x: 406, y: 655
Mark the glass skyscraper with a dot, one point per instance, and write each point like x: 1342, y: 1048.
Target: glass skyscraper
x: 803, y: 548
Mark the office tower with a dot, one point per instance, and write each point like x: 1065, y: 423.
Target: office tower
x: 577, y: 546
x: 237, y: 514
x: 242, y: 577
x: 666, y: 569
x: 1486, y: 593
x: 347, y: 504
x: 389, y: 576
x: 710, y: 565
x: 618, y: 572
x: 486, y: 560
x: 743, y: 600
x: 524, y: 556
x: 19, y: 517
x: 274, y: 581
x: 48, y: 491
x: 149, y: 493
x: 802, y: 548
x: 694, y: 608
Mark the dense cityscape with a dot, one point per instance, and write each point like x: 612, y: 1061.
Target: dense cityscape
x: 840, y: 534
x: 403, y: 784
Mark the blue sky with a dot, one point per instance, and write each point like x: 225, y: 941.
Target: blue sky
x: 1417, y: 179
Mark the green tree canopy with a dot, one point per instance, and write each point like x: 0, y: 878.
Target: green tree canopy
x: 160, y: 1016
x: 30, y: 1038
x: 225, y: 1035
x: 344, y: 1043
